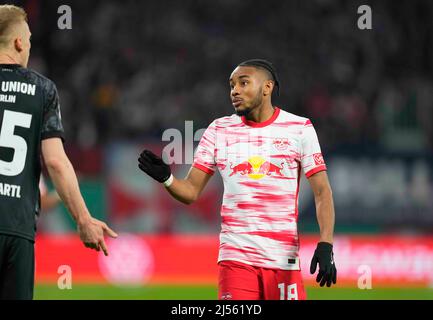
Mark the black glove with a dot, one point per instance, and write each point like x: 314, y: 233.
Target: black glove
x: 325, y: 257
x: 154, y: 166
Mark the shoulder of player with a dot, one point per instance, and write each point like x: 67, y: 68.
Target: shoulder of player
x: 36, y: 78
x: 227, y: 121
x: 290, y: 119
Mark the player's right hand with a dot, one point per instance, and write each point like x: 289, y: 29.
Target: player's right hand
x: 154, y: 166
x: 92, y: 234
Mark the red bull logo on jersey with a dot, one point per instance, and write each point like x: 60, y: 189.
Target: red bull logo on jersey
x: 256, y: 168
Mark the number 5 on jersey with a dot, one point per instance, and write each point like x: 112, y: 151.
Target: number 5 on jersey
x: 8, y: 139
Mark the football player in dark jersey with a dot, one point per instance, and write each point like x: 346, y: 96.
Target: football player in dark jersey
x: 31, y: 127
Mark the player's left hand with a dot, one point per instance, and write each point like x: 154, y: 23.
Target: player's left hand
x: 92, y: 233
x: 324, y: 256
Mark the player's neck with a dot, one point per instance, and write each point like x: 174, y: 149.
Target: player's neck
x: 261, y: 114
x: 6, y: 58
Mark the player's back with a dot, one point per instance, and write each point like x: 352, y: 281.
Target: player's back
x: 28, y: 107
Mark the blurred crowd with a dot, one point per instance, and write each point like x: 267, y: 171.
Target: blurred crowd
x: 128, y: 70
x: 131, y: 69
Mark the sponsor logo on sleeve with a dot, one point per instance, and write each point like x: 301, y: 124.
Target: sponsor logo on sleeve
x: 318, y: 159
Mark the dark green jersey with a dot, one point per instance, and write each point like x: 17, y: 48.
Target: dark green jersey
x: 29, y: 113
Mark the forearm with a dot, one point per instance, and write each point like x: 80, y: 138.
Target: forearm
x: 182, y: 190
x: 325, y: 215
x: 66, y: 184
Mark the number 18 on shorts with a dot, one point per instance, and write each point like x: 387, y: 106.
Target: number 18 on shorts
x: 239, y: 281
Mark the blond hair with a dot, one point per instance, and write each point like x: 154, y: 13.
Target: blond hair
x: 9, y: 15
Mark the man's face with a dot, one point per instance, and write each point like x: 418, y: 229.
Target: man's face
x: 246, y: 89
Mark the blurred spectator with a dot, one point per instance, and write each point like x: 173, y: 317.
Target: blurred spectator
x: 131, y: 69
x: 128, y: 70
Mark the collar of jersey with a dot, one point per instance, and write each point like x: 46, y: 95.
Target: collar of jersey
x: 264, y: 123
x: 7, y: 65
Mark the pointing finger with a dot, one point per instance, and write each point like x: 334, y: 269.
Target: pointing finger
x: 103, y: 247
x: 109, y: 232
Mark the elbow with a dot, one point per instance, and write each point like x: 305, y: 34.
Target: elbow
x: 184, y: 192
x: 55, y: 165
x: 328, y: 192
x: 52, y: 163
x: 190, y: 200
x: 324, y: 193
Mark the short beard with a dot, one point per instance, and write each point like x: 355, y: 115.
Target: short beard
x: 243, y: 113
x: 254, y: 104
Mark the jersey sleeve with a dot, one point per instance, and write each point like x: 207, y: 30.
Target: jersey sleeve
x: 204, y: 157
x: 52, y: 121
x: 311, y: 156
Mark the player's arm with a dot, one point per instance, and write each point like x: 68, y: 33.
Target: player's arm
x: 65, y: 181
x: 184, y: 190
x: 323, y: 255
x: 324, y: 205
x: 315, y: 170
x: 189, y: 189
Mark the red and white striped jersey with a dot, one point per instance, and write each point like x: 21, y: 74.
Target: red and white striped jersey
x: 260, y: 164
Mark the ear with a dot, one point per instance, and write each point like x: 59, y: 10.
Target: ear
x: 268, y: 87
x: 18, y: 44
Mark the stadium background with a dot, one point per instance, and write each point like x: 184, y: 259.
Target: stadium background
x: 128, y: 70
